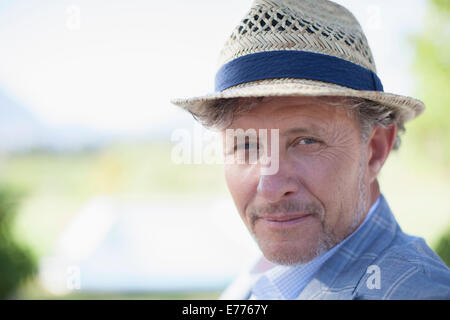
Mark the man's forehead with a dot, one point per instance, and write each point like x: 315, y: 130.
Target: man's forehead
x: 293, y: 113
x: 304, y: 128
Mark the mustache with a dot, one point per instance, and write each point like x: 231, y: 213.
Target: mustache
x: 285, y: 207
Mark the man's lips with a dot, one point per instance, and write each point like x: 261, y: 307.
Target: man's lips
x: 275, y: 220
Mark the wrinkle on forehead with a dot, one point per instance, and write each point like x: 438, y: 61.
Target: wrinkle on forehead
x: 284, y: 110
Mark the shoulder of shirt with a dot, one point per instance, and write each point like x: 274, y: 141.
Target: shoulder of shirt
x: 408, y: 269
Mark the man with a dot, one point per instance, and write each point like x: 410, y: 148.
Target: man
x: 303, y: 69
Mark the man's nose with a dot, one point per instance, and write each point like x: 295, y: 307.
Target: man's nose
x: 275, y: 187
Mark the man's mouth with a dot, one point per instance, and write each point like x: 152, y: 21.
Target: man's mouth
x: 282, y: 221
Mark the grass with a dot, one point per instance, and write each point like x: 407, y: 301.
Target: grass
x: 56, y: 185
x: 35, y: 292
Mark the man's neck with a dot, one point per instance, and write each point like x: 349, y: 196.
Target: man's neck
x: 374, y: 193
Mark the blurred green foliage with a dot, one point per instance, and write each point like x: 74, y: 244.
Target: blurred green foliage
x: 442, y: 4
x: 16, y: 262
x: 442, y: 248
x: 431, y: 130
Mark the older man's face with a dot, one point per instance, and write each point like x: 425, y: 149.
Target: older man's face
x: 317, y: 197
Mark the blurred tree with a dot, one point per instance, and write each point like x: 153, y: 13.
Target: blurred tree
x: 16, y: 262
x: 443, y: 247
x: 432, y: 67
x: 431, y: 130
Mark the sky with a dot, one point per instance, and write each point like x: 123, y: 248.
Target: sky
x: 113, y: 66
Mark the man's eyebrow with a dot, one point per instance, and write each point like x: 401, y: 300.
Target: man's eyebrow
x: 304, y: 130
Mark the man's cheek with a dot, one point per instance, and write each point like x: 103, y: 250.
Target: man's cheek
x: 238, y: 188
x: 230, y: 177
x: 317, y: 177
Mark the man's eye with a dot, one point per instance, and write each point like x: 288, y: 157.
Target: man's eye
x: 307, y: 141
x: 246, y: 146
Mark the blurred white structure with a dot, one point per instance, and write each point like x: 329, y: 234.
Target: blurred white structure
x: 150, y: 246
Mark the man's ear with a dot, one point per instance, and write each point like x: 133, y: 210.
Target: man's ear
x: 379, y: 146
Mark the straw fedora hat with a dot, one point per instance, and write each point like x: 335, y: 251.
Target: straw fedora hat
x: 299, y: 48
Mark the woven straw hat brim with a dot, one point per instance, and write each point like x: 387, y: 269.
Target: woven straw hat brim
x: 408, y: 107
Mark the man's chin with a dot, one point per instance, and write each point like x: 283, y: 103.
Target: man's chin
x: 288, y: 255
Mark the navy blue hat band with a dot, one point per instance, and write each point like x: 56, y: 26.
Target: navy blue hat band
x: 296, y: 64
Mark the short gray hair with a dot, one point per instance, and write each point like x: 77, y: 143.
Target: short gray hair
x: 220, y: 113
